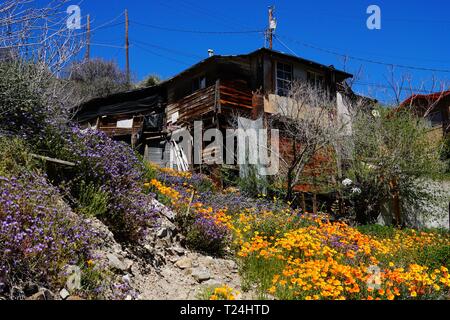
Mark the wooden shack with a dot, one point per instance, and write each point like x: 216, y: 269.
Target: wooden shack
x: 215, y: 91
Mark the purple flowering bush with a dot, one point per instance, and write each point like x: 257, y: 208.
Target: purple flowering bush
x: 116, y: 171
x: 39, y: 234
x: 205, y: 235
x: 202, y: 230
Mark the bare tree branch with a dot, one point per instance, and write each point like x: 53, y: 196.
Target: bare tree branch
x: 309, y: 125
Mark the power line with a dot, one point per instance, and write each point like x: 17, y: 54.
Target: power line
x: 363, y: 59
x: 180, y: 53
x: 110, y: 23
x: 160, y: 55
x: 110, y: 26
x: 107, y: 45
x: 284, y: 45
x: 194, y: 31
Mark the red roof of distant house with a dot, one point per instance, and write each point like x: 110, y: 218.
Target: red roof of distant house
x: 427, y: 97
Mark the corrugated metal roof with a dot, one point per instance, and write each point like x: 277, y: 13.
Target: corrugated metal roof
x: 433, y: 97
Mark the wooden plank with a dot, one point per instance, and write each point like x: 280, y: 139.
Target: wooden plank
x: 237, y: 101
x: 236, y: 97
x: 224, y: 103
x: 65, y: 163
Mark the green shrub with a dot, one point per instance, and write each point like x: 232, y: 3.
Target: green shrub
x: 229, y: 177
x: 93, y: 200
x: 15, y: 156
x: 434, y: 256
x: 377, y: 230
x: 253, y: 185
x: 278, y: 223
x: 203, y: 184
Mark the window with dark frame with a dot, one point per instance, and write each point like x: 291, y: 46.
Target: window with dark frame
x: 316, y: 80
x: 435, y: 119
x: 284, y: 78
x: 198, y: 83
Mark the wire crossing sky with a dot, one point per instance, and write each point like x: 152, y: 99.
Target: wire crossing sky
x: 168, y: 36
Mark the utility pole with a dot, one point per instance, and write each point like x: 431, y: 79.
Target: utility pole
x: 88, y: 38
x: 127, y: 46
x: 272, y: 27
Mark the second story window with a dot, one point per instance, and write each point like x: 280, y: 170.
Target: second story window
x: 284, y: 78
x: 435, y: 118
x: 198, y: 84
x: 316, y: 80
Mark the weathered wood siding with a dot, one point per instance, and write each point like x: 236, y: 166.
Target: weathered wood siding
x: 222, y: 98
x: 192, y: 107
x: 109, y: 125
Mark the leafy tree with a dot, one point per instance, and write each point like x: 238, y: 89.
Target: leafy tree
x: 151, y: 80
x: 391, y: 162
x: 97, y: 78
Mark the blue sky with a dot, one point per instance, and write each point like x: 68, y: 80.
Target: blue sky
x: 413, y: 33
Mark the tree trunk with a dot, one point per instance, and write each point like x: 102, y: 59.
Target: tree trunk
x: 303, y: 203
x: 396, y: 202
x: 290, y: 187
x: 315, y: 208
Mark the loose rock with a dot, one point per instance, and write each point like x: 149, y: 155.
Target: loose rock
x: 201, y: 275
x: 64, y: 294
x: 184, y: 263
x: 116, y: 263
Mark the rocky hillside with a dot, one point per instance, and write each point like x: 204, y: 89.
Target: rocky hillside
x: 158, y: 268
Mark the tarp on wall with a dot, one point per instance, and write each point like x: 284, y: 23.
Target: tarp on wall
x: 153, y: 122
x: 131, y: 102
x: 128, y: 107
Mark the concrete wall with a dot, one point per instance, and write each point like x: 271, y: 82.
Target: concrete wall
x: 432, y: 214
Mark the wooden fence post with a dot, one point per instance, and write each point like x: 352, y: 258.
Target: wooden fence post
x: 315, y: 208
